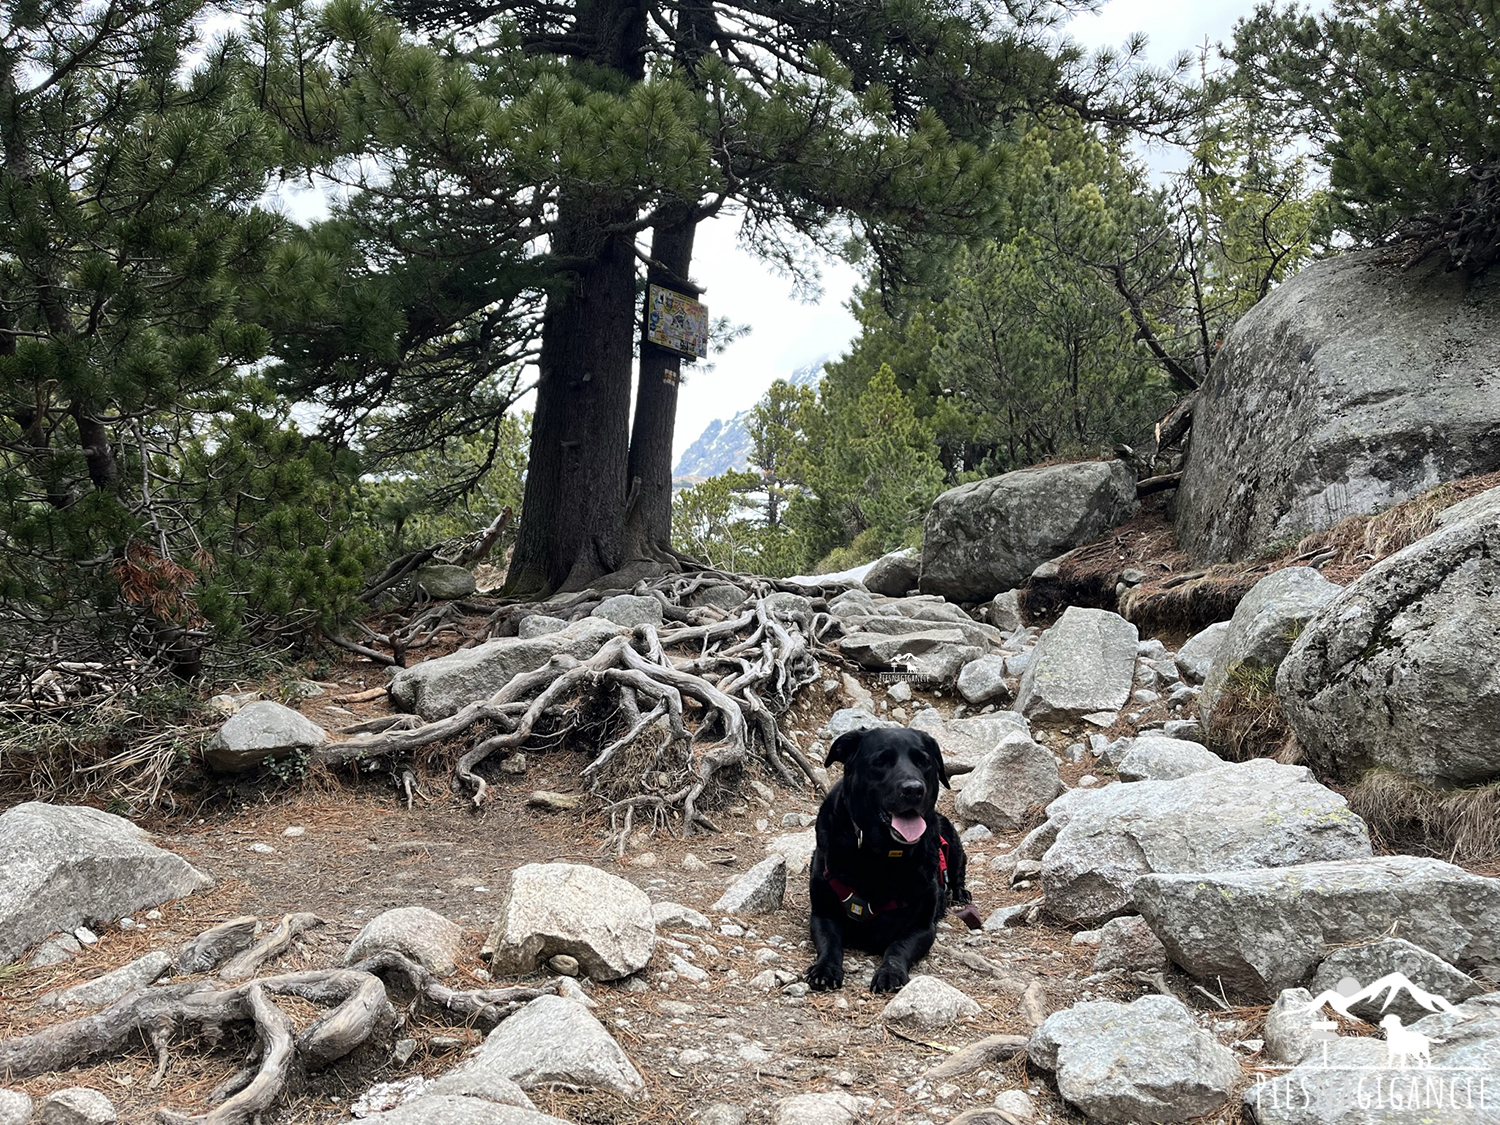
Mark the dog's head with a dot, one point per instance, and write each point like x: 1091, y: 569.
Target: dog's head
x: 891, y: 779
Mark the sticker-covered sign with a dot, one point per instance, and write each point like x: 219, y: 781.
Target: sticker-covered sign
x: 676, y: 322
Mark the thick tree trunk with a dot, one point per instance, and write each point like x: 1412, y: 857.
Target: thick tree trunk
x: 648, y: 532
x: 574, y: 508
x: 573, y: 514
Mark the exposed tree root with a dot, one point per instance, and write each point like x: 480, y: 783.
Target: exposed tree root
x: 681, y: 704
x: 359, y: 1008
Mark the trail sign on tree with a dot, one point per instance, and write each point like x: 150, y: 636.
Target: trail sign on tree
x: 676, y: 322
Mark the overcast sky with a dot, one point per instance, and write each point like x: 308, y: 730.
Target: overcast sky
x: 785, y: 333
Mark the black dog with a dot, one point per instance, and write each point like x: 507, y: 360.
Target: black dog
x: 887, y: 864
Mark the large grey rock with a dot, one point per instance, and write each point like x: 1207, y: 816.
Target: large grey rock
x: 936, y: 654
x: 1122, y: 1064
x: 847, y: 719
x: 600, y: 919
x: 423, y: 935
x: 67, y: 865
x: 1003, y: 611
x: 989, y: 535
x: 557, y: 1042
x: 894, y: 574
x: 259, y: 732
x: 1262, y: 930
x: 982, y: 681
x: 77, y: 1105
x: 450, y: 1109
x: 1353, y: 385
x: 144, y: 970
x: 630, y: 610
x: 968, y: 741
x: 1402, y: 669
x: 442, y: 581
x: 924, y: 620
x: 1247, y: 815
x: 926, y: 1003
x: 437, y: 688
x: 1196, y: 656
x: 539, y: 625
x: 1084, y: 663
x: 1011, y: 781
x: 757, y: 891
x: 1263, y: 627
x: 472, y: 1078
x: 721, y: 595
x: 1155, y: 757
x: 15, y: 1107
x: 1357, y: 1082
x: 1372, y: 961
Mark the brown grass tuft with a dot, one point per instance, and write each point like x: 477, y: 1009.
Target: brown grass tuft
x: 1247, y: 721
x: 1404, y: 814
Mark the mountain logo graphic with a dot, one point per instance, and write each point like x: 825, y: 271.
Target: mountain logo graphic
x: 1404, y: 1046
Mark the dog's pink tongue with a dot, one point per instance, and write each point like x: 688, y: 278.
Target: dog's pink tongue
x: 909, y: 828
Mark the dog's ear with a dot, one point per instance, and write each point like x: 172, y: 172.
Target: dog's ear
x: 844, y: 747
x: 930, y: 745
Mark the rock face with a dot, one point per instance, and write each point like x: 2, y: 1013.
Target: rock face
x: 1128, y: 943
x: 989, y: 535
x: 1248, y: 815
x: 78, y: 1105
x: 1374, y: 960
x: 970, y: 740
x: 600, y: 919
x: 1352, y: 386
x: 15, y: 1107
x: 258, y: 732
x: 1158, y: 758
x: 553, y: 1041
x: 925, y: 1003
x: 1265, y: 930
x: 1263, y: 627
x: 1121, y: 1064
x: 441, y: 581
x: 421, y: 934
x: 1084, y: 663
x: 894, y: 574
x: 1359, y: 1084
x: 437, y: 688
x: 1010, y: 781
x: 66, y: 865
x: 1403, y: 667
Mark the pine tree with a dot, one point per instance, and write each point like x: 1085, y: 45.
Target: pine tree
x: 1404, y: 98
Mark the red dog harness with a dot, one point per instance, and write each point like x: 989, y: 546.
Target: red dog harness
x: 861, y: 909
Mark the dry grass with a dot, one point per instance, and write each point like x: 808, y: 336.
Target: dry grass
x: 1458, y: 824
x: 1247, y: 721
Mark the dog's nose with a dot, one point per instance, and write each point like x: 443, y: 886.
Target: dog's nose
x: 913, y: 790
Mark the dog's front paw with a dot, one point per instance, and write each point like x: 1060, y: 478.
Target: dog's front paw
x: 825, y: 977
x: 888, y: 978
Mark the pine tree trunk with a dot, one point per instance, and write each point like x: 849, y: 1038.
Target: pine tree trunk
x: 573, y: 513
x: 648, y: 533
x: 574, y: 507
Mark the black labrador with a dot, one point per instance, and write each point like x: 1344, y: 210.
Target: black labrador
x: 887, y: 863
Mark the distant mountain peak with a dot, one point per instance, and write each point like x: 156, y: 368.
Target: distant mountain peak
x: 725, y: 444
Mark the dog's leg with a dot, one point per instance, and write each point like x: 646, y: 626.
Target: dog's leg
x: 900, y: 956
x: 827, y: 972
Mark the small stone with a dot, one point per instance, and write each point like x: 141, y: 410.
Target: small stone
x: 562, y: 963
x: 293, y: 832
x: 686, y: 969
x: 900, y: 691
x: 645, y: 859
x: 403, y: 1050
x: 514, y: 765
x: 690, y: 862
x: 667, y: 915
x: 78, y: 1105
x: 1128, y: 943
x: 1088, y: 781
x: 15, y: 1107
x: 926, y: 1003
x: 722, y: 1113
x: 261, y: 849
x: 1016, y: 1103
x: 421, y: 934
x: 553, y: 802
x: 55, y: 950
x: 85, y: 935
x: 836, y: 1108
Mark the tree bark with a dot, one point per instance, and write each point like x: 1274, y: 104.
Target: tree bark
x: 648, y: 531
x: 573, y: 513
